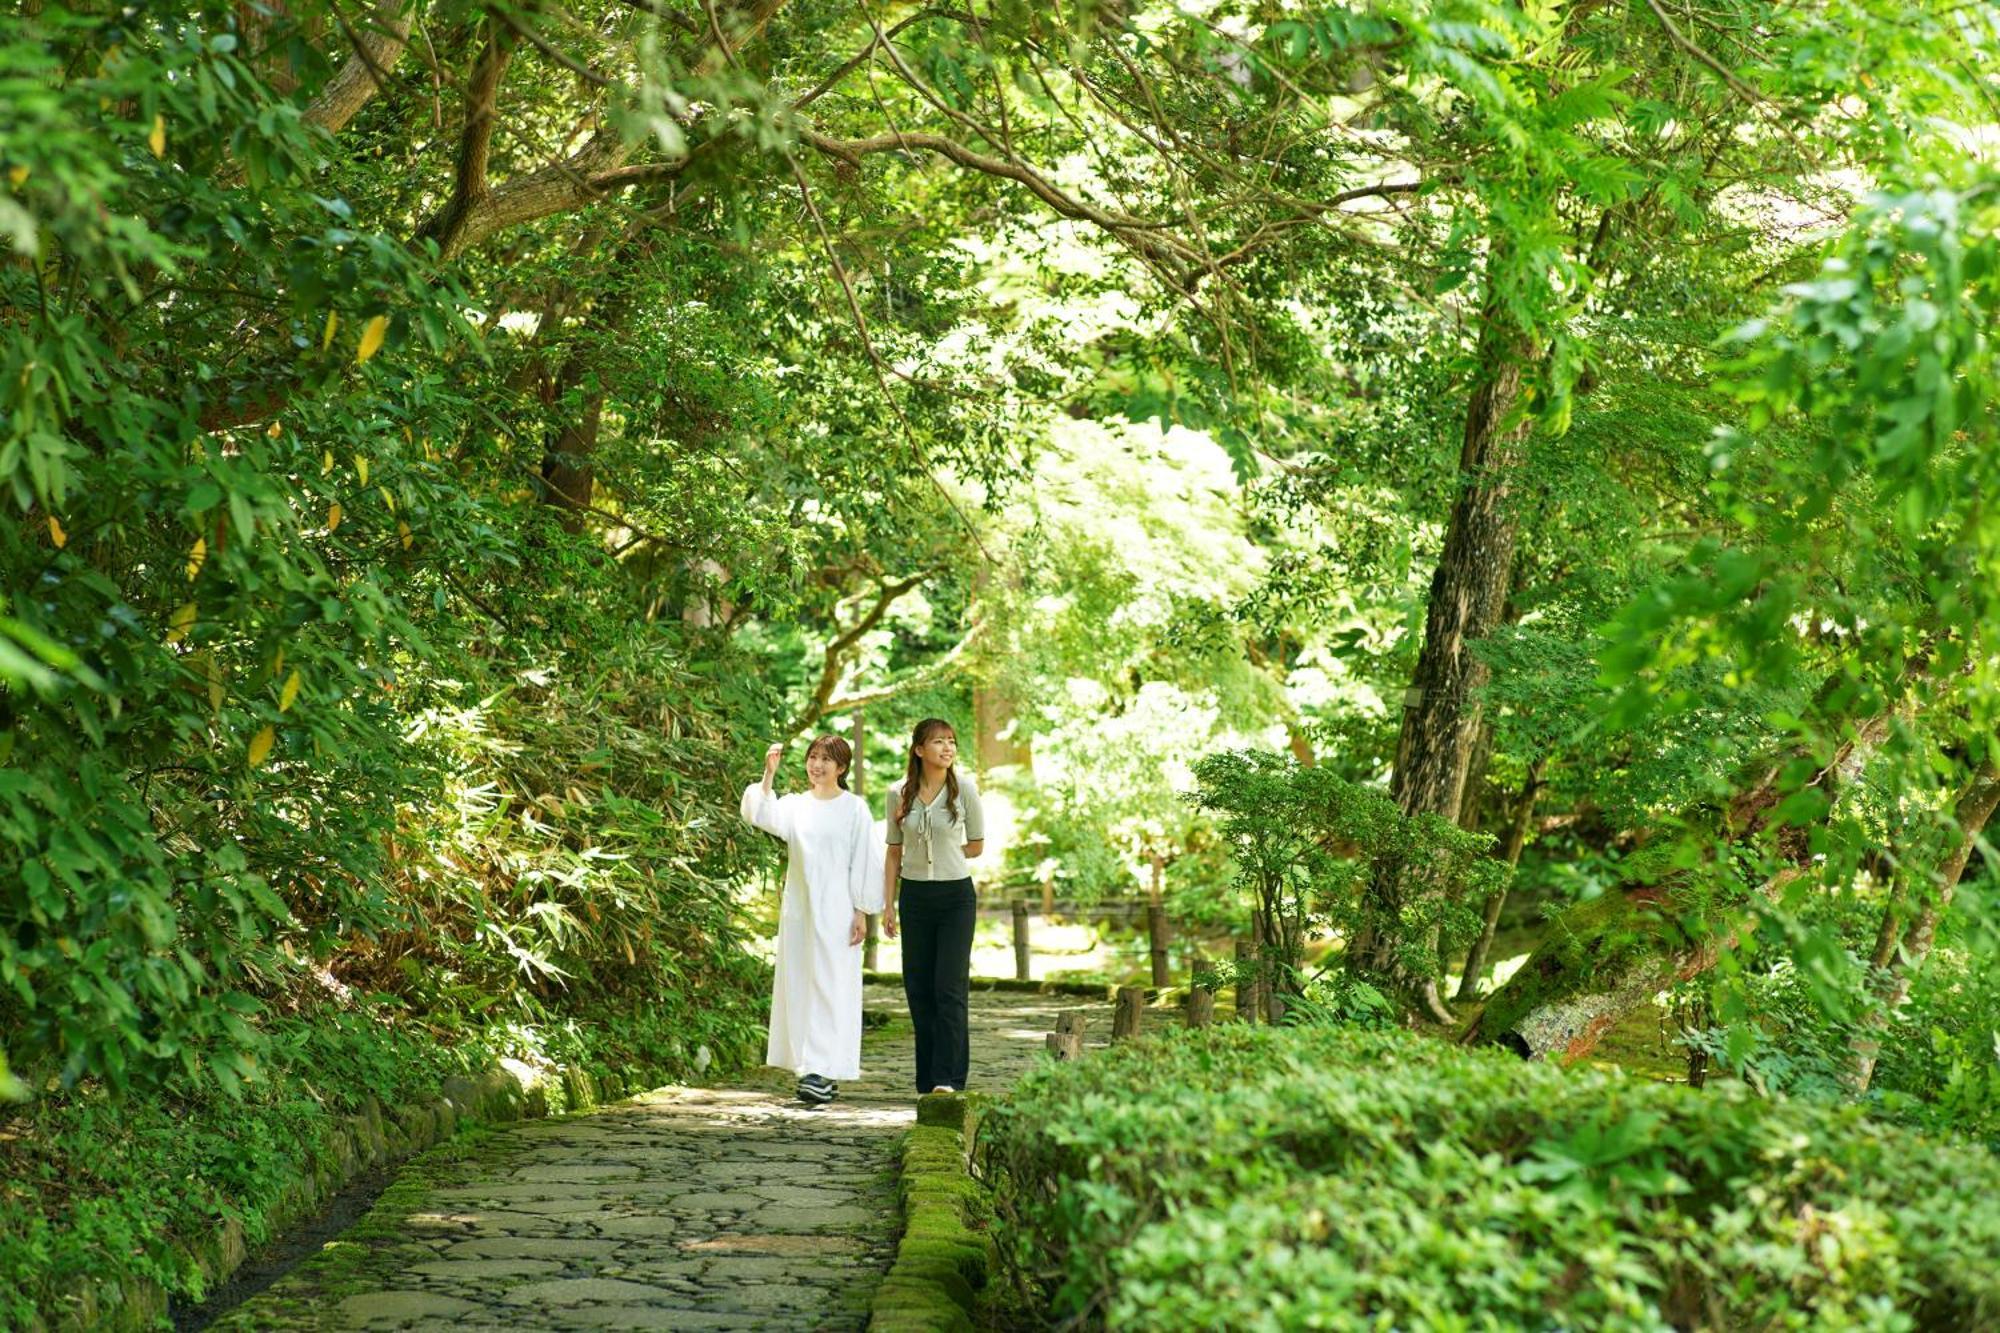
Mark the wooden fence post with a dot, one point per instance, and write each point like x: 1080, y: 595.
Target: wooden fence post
x: 1066, y: 1042
x: 1130, y: 1016
x: 1199, y: 1009
x: 1021, y: 970
x: 1156, y: 933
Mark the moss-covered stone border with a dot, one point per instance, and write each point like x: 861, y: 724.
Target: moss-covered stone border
x: 1096, y: 990
x: 372, y: 1138
x: 945, y: 1255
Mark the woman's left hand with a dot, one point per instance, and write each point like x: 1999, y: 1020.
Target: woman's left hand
x: 858, y: 932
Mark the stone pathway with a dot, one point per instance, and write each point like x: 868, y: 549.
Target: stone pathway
x: 683, y: 1208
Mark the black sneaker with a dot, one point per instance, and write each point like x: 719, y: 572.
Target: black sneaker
x: 817, y: 1090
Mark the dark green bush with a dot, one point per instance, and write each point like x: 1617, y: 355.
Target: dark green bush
x: 1259, y: 1178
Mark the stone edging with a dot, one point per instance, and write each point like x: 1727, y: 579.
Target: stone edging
x: 374, y: 1137
x: 942, y: 1259
x: 1096, y: 990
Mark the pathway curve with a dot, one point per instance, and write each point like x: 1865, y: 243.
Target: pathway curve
x: 683, y: 1208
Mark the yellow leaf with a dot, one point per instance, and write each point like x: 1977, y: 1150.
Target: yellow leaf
x: 214, y: 684
x: 387, y: 498
x: 372, y: 334
x: 17, y: 176
x: 289, y: 695
x: 332, y: 323
x: 158, y: 138
x: 197, y: 557
x: 361, y: 468
x: 261, y: 743
x: 277, y: 663
x: 181, y: 623
x: 326, y: 462
x: 407, y: 535
x: 56, y: 533
x: 275, y: 431
x: 333, y: 513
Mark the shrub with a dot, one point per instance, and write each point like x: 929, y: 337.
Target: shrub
x: 1324, y: 1177
x: 1305, y: 841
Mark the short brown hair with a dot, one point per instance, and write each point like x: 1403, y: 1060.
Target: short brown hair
x: 837, y: 750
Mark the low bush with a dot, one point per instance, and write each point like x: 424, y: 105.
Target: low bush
x: 1327, y: 1177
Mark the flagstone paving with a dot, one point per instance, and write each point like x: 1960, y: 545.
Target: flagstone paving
x: 685, y: 1208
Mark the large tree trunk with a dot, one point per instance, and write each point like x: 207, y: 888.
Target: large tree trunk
x: 1901, y: 958
x: 1441, y: 713
x: 1600, y: 960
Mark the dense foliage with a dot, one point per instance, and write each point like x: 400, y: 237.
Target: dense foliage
x: 1356, y: 469
x: 1330, y: 1177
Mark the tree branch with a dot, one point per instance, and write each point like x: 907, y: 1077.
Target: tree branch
x: 836, y: 651
x: 375, y: 53
x: 923, y: 677
x: 1150, y: 238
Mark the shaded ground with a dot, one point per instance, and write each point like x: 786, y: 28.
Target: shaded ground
x: 686, y: 1208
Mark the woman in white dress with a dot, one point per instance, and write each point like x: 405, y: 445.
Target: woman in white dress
x: 832, y: 883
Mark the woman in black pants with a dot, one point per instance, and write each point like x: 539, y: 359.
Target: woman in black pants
x: 935, y: 827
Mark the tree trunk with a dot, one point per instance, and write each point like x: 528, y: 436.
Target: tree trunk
x: 1975, y: 807
x: 1510, y: 852
x: 1441, y: 712
x: 568, y: 473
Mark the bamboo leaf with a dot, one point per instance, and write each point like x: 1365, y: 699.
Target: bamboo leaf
x: 372, y: 334
x: 197, y: 557
x: 261, y: 743
x: 56, y: 533
x: 181, y: 623
x: 289, y: 694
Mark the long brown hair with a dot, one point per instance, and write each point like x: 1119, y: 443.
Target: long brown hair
x: 837, y: 750
x: 913, y: 776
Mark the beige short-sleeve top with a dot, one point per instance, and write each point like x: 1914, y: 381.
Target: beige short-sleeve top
x: 933, y: 842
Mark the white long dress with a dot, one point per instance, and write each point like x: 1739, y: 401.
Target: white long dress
x: 830, y: 873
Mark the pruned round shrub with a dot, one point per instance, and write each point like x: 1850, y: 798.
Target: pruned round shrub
x: 1277, y: 1178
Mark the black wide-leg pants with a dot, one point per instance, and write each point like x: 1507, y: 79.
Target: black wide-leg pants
x: 937, y: 921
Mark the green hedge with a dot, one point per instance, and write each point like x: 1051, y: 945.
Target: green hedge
x: 1260, y: 1178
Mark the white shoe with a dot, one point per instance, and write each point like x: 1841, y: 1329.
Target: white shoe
x: 942, y: 1087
